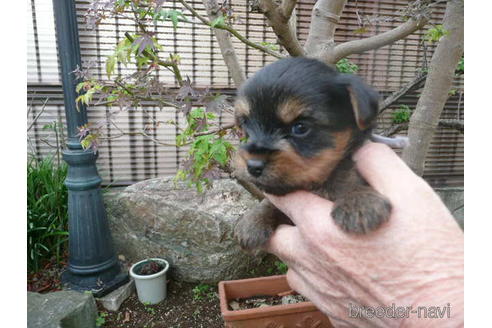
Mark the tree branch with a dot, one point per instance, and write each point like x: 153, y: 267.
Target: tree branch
x: 324, y: 19
x: 39, y: 114
x: 138, y: 133
x: 223, y: 128
x: 168, y: 63
x: 230, y: 30
x: 251, y: 188
x: 226, y: 46
x: 457, y: 125
x: 394, y: 129
x: 391, y: 99
x: 278, y: 17
x: 374, y: 42
x: 287, y: 7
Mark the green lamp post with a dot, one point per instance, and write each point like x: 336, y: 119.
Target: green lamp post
x: 92, y: 264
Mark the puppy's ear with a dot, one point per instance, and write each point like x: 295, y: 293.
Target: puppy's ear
x: 364, y: 100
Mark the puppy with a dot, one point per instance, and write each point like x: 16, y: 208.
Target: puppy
x: 302, y: 121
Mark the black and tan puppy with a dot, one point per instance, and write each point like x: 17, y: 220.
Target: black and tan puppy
x: 303, y: 120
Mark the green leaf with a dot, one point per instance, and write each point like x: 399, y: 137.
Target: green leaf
x: 361, y: 30
x: 50, y: 126
x: 346, y: 66
x: 461, y: 66
x: 402, y: 114
x: 110, y: 64
x: 142, y: 61
x: 218, y: 22
x: 80, y: 86
x: 173, y: 15
x: 86, y: 143
x: 436, y: 33
x: 270, y: 46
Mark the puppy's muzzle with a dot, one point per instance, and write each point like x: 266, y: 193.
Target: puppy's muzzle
x: 255, y: 167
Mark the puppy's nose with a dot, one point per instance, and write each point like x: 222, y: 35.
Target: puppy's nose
x: 255, y: 167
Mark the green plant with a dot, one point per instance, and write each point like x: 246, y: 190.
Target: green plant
x: 148, y: 308
x: 402, y: 114
x: 270, y: 46
x: 47, y: 215
x: 281, y: 267
x: 346, y: 66
x: 101, y: 319
x: 435, y: 33
x: 460, y: 68
x: 202, y: 290
x: 207, y: 153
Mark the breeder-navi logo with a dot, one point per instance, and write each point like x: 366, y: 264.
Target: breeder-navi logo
x: 393, y: 311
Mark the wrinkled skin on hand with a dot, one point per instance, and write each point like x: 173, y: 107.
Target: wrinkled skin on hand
x: 416, y: 259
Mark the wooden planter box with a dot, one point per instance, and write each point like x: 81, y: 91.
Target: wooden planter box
x: 300, y: 315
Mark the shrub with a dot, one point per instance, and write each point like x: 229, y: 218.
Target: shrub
x: 202, y: 290
x: 47, y: 215
x: 346, y: 66
x: 402, y: 114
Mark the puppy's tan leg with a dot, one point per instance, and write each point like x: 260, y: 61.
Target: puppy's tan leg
x: 361, y: 210
x: 255, y: 228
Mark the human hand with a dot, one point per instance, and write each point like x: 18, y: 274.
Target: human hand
x: 414, y: 260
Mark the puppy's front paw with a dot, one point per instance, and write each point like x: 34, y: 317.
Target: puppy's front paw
x: 361, y: 212
x: 252, y: 233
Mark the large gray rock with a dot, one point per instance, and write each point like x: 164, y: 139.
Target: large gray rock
x: 453, y: 197
x: 65, y: 309
x: 193, y: 231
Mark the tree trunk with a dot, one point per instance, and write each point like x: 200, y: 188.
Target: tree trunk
x: 425, y: 119
x: 225, y: 44
x: 321, y: 38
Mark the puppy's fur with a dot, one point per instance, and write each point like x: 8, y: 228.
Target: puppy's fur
x: 302, y: 121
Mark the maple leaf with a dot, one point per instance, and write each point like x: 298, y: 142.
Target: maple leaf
x: 143, y: 42
x: 217, y: 104
x: 186, y: 90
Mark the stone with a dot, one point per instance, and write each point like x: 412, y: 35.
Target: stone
x: 453, y: 198
x: 234, y: 305
x: 293, y: 299
x: 113, y: 300
x: 67, y: 309
x: 193, y: 231
x: 289, y: 299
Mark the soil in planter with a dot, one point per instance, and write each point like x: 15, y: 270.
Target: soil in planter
x: 148, y: 268
x: 265, y: 301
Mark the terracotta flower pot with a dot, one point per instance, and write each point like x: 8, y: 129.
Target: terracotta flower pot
x: 299, y: 315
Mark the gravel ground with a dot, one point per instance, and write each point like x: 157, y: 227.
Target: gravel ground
x: 182, y: 308
x: 186, y: 306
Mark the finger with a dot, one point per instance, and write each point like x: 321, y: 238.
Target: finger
x: 300, y: 284
x: 384, y: 170
x: 305, y: 209
x: 295, y: 281
x: 284, y: 243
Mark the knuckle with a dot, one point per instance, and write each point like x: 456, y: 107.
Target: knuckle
x: 292, y: 279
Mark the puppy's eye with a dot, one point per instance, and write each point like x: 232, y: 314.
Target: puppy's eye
x: 300, y: 129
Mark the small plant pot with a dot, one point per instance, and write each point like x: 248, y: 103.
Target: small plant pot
x: 151, y: 288
x: 299, y: 315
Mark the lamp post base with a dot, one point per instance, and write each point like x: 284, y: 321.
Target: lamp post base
x: 92, y: 264
x: 99, y: 284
